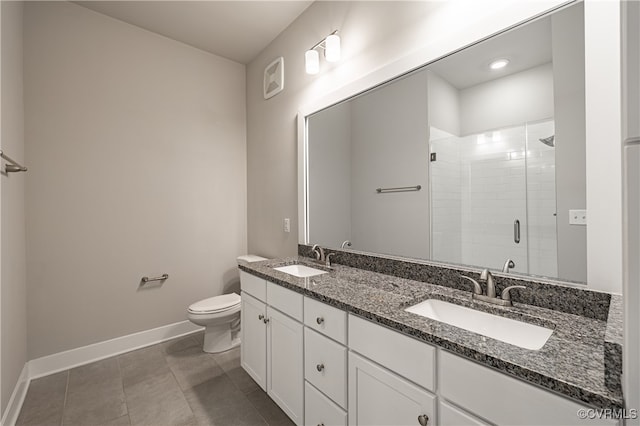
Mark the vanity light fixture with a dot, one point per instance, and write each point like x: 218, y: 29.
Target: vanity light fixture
x: 331, y: 46
x: 498, y: 64
x: 311, y: 61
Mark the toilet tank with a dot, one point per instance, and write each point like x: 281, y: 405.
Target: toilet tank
x: 250, y: 258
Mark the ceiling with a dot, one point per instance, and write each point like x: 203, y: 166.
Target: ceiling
x: 525, y: 47
x: 236, y: 30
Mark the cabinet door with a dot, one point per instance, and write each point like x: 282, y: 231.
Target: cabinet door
x: 285, y: 381
x: 253, y: 352
x: 379, y: 397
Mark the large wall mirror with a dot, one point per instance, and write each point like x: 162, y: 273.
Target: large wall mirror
x: 467, y: 160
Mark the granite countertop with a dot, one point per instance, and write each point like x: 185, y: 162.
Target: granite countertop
x: 572, y: 362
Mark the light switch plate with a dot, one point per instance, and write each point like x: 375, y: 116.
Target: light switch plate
x: 577, y: 217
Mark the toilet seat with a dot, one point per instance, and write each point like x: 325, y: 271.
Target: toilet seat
x: 217, y: 304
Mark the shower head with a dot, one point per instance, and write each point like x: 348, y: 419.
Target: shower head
x: 550, y: 141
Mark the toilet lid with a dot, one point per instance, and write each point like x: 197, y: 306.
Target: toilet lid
x: 216, y: 304
x: 251, y: 258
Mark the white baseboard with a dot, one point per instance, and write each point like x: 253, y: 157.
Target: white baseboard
x: 61, y: 361
x: 75, y: 357
x: 17, y: 398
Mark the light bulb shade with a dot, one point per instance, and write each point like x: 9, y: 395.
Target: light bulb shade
x: 332, y: 48
x: 311, y: 61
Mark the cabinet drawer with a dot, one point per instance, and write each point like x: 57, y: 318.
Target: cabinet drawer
x: 326, y: 319
x: 285, y: 300
x: 498, y: 398
x: 408, y: 357
x: 257, y: 287
x: 320, y: 410
x: 451, y: 416
x: 325, y: 366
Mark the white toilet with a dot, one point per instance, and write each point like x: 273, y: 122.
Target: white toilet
x: 220, y: 315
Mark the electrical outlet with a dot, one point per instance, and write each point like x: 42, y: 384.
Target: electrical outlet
x: 287, y: 224
x: 577, y: 217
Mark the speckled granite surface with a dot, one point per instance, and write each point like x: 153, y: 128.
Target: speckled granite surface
x: 544, y: 293
x: 572, y: 362
x: 613, y: 344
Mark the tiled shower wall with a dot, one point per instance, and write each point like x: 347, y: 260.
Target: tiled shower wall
x: 481, y: 184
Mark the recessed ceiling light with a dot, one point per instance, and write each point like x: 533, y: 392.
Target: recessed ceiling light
x: 498, y: 63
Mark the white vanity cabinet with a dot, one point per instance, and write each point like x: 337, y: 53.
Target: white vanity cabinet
x: 325, y: 364
x: 504, y: 400
x: 284, y: 363
x: 378, y: 396
x: 466, y: 393
x: 448, y: 415
x: 272, y: 342
x: 320, y: 410
x: 391, y: 377
x: 253, y: 348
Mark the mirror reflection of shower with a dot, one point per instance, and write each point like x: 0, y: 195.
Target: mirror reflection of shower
x: 481, y: 183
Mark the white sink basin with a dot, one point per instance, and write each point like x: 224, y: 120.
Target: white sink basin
x: 518, y: 333
x: 300, y: 271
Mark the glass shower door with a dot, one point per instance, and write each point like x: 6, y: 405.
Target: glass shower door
x: 483, y: 197
x: 541, y: 199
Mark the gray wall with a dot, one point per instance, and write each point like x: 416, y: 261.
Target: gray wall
x: 13, y: 279
x: 373, y: 34
x: 376, y: 140
x: 518, y: 98
x: 390, y: 148
x: 136, y: 152
x: 443, y: 104
x: 569, y: 104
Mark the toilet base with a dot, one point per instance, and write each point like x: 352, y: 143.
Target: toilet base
x: 220, y: 339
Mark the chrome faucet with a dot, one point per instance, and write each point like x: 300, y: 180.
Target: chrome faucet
x: 345, y: 243
x: 327, y: 262
x: 320, y: 256
x: 508, y: 264
x: 490, y: 296
x: 319, y: 252
x: 485, y: 275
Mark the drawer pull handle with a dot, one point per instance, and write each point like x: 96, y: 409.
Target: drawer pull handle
x: 320, y: 424
x: 266, y: 320
x: 320, y: 367
x: 423, y: 419
x: 261, y: 317
x: 319, y: 320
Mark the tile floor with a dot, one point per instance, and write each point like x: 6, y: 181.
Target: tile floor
x: 172, y: 383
